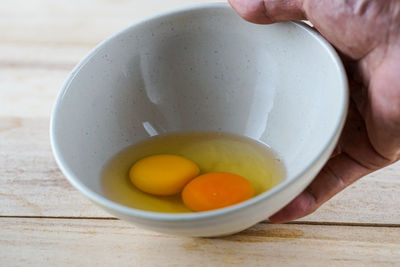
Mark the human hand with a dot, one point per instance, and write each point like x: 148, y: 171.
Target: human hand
x: 367, y: 34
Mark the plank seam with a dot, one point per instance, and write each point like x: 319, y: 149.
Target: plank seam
x: 388, y: 225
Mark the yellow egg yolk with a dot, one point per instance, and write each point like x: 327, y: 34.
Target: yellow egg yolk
x: 216, y: 190
x: 163, y: 175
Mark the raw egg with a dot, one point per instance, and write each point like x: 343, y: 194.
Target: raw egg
x: 163, y: 175
x: 216, y: 190
x: 155, y: 175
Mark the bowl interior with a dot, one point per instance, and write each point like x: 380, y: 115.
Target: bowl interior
x: 200, y: 70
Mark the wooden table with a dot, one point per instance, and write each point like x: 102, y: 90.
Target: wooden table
x: 44, y: 220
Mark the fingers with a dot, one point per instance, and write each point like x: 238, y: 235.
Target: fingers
x: 338, y: 173
x: 356, y: 158
x: 336, y: 151
x: 269, y: 11
x: 382, y: 113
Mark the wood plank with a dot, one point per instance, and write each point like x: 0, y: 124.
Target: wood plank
x: 40, y: 56
x: 40, y: 42
x: 89, y: 8
x: 37, y: 242
x: 374, y: 198
x: 29, y: 92
x: 75, y: 32
x: 31, y: 183
x: 43, y: 21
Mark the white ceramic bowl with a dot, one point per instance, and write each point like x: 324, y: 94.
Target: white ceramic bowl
x: 202, y: 68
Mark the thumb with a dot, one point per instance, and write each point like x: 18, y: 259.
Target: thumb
x: 269, y: 11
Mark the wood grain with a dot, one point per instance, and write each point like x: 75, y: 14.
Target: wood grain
x: 29, y: 92
x: 45, y: 221
x: 31, y: 183
x: 27, y: 56
x: 86, y: 23
x: 35, y: 242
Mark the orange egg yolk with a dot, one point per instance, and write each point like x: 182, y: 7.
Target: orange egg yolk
x: 216, y: 190
x: 163, y: 175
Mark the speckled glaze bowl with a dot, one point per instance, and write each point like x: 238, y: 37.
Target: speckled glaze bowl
x: 202, y: 68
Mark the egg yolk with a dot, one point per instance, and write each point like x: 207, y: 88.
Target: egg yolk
x: 163, y: 175
x: 216, y: 190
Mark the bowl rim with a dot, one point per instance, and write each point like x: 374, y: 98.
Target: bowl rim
x: 159, y: 216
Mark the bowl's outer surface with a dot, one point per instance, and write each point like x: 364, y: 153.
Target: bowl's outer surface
x: 202, y: 68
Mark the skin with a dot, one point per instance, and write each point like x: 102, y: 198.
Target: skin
x: 366, y: 33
